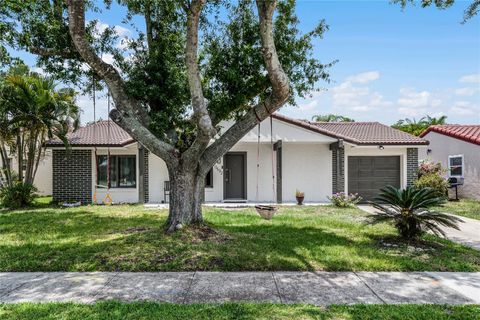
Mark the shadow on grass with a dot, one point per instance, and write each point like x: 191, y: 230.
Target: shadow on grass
x: 89, y: 239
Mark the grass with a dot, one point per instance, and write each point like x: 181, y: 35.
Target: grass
x: 131, y: 238
x: 149, y: 310
x: 43, y: 201
x: 465, y: 207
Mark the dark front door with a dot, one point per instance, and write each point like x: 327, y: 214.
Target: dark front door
x: 234, y: 173
x: 366, y: 175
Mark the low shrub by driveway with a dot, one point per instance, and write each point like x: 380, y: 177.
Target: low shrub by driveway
x: 131, y: 238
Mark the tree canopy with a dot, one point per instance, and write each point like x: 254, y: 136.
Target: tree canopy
x: 416, y: 127
x: 230, y: 61
x: 331, y: 118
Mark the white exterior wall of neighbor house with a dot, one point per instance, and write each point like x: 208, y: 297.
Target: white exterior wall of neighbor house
x: 401, y: 151
x: 118, y: 195
x: 443, y: 146
x: 43, y: 178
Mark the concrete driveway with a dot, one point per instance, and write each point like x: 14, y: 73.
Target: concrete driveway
x: 469, y: 233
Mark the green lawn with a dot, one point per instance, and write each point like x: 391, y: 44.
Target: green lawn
x: 131, y: 238
x: 145, y: 310
x: 465, y: 207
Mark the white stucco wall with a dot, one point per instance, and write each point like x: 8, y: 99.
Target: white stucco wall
x: 157, y: 175
x: 118, y: 195
x: 442, y: 146
x: 308, y: 168
x: 43, y: 178
x: 305, y: 166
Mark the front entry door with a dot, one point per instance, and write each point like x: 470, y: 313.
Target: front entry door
x: 234, y: 174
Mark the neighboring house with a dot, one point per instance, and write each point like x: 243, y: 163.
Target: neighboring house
x: 457, y: 148
x: 43, y: 178
x: 316, y: 158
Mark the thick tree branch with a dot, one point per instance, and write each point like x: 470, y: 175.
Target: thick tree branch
x: 201, y: 116
x: 148, y: 24
x: 145, y: 137
x: 48, y: 52
x: 130, y: 114
x: 278, y: 80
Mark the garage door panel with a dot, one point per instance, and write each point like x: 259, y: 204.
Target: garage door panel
x: 385, y: 174
x: 367, y: 175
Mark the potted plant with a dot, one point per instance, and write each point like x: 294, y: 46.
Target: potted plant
x: 300, y: 196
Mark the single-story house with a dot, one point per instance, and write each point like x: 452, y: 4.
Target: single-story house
x: 317, y: 158
x: 457, y: 148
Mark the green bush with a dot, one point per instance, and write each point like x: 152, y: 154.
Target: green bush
x: 433, y: 181
x: 18, y: 195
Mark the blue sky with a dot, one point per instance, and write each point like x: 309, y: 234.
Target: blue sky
x: 392, y: 63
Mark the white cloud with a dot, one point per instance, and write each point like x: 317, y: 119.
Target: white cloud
x: 346, y: 94
x: 121, y: 31
x: 309, y: 106
x: 467, y: 91
x: 364, y: 77
x: 353, y: 94
x: 470, y: 78
x: 377, y: 100
x: 39, y: 70
x: 414, y: 103
x: 411, y: 112
x: 85, y: 103
x: 100, y: 27
x: 108, y: 58
x: 463, y: 108
x: 412, y: 99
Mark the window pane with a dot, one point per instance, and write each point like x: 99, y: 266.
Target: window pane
x: 102, y: 172
x: 456, y: 161
x: 113, y: 172
x: 209, y: 179
x: 126, y: 171
x: 456, y: 171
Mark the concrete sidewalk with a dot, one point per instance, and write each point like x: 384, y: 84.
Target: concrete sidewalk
x: 319, y: 288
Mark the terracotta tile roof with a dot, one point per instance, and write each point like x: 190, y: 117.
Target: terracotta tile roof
x: 469, y: 133
x: 361, y: 133
x: 96, y: 135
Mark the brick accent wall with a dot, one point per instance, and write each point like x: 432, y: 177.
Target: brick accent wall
x: 338, y: 170
x: 412, y: 165
x: 145, y: 176
x: 72, y: 176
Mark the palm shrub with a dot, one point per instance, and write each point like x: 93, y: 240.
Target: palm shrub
x: 408, y: 210
x: 18, y: 195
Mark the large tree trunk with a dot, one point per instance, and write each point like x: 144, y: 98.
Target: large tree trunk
x: 187, y: 188
x: 187, y: 169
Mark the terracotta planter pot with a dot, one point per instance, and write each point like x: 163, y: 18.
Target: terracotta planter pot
x: 300, y: 200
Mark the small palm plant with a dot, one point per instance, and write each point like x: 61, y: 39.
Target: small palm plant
x: 408, y: 210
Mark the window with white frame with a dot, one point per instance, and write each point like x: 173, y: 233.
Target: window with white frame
x: 455, y: 166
